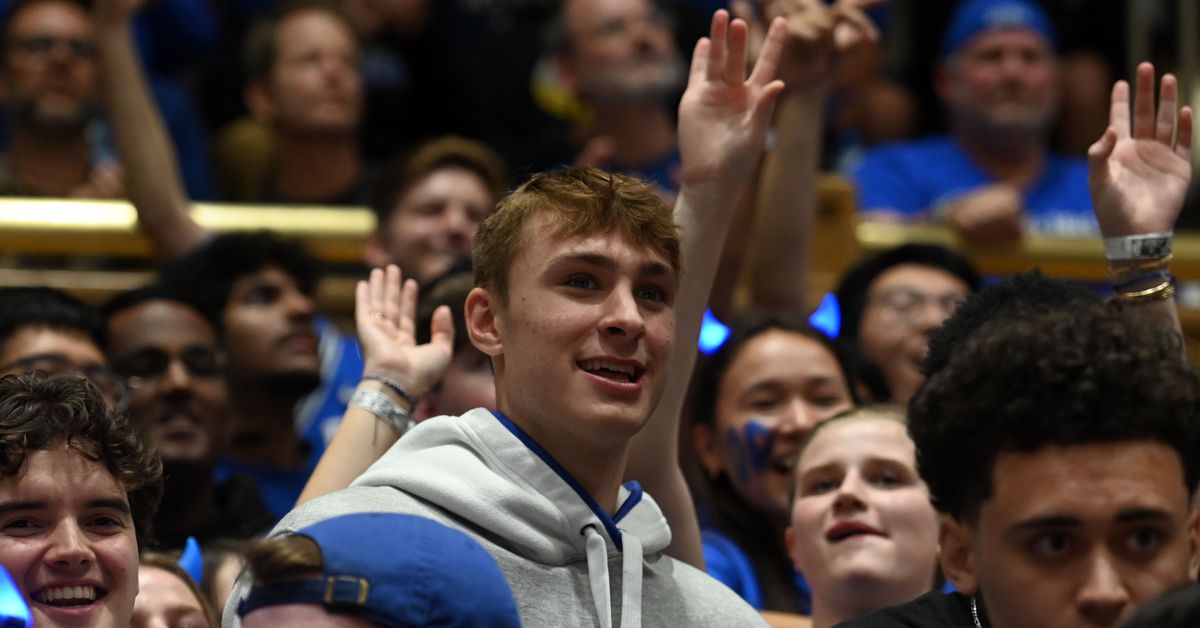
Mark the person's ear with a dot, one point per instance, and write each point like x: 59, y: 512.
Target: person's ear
x: 957, y: 541
x: 565, y: 74
x: 375, y: 253
x: 707, y: 447
x: 484, y: 326
x: 258, y: 101
x: 943, y: 80
x: 789, y: 539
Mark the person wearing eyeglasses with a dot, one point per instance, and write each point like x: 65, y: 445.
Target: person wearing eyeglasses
x: 169, y: 354
x: 46, y: 330
x: 50, y: 80
x: 890, y: 303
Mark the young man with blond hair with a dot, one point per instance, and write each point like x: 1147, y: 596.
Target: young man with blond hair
x: 578, y: 283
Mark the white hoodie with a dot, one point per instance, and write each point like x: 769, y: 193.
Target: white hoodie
x: 567, y: 562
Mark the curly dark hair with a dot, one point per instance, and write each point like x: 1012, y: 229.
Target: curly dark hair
x: 709, y: 372
x: 1019, y: 296
x: 39, y: 412
x: 852, y: 294
x: 210, y: 270
x: 1087, y: 374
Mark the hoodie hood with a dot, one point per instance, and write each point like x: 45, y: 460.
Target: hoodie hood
x: 484, y: 469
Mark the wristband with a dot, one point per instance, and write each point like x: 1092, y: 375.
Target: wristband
x: 384, y: 409
x: 1139, y: 247
x: 396, y: 387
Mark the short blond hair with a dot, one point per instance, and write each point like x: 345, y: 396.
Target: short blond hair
x: 579, y: 201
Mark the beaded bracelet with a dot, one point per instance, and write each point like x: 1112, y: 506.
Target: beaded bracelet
x: 396, y: 387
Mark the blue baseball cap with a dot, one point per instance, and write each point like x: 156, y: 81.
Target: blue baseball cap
x: 973, y: 17
x: 397, y: 570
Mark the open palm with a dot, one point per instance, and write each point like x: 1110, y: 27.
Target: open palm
x: 1138, y: 178
x: 723, y: 116
x: 384, y: 311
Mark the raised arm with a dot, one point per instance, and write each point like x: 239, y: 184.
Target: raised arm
x: 1138, y: 172
x: 723, y: 120
x: 384, y: 311
x: 819, y: 37
x: 153, y: 181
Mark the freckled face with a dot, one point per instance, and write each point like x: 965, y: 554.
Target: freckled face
x: 586, y: 330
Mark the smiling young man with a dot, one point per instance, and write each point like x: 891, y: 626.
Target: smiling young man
x: 577, y: 285
x: 77, y: 490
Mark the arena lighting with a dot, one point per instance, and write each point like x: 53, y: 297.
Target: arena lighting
x: 14, y: 612
x: 713, y: 333
x: 827, y: 318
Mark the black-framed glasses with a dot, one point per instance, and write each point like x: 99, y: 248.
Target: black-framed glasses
x: 908, y: 303
x: 44, y: 44
x: 146, y: 366
x: 107, y: 380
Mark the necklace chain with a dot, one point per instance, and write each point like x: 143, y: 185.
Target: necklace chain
x: 975, y: 613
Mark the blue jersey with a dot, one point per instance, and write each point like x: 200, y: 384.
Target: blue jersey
x: 920, y: 178
x: 318, y: 414
x: 725, y: 561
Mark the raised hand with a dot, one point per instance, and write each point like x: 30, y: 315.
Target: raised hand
x: 384, y: 311
x: 1139, y: 176
x: 819, y: 36
x: 723, y: 116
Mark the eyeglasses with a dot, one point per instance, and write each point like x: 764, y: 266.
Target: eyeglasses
x: 907, y: 303
x: 144, y: 367
x: 44, y: 44
x: 108, y: 381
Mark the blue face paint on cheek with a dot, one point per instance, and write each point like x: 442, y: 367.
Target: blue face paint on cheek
x: 749, y: 449
x: 760, y: 440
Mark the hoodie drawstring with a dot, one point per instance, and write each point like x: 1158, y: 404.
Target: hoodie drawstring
x: 631, y: 579
x: 631, y: 582
x: 597, y: 559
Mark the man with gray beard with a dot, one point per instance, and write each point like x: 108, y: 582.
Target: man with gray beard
x: 619, y: 57
x: 993, y: 176
x: 49, y: 77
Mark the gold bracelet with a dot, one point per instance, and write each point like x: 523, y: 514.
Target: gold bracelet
x: 1162, y: 291
x: 1121, y: 272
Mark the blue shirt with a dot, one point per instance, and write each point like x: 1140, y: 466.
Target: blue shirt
x: 725, y: 561
x: 919, y: 178
x: 319, y: 414
x: 317, y: 417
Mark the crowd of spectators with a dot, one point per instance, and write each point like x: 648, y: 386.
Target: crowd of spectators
x: 519, y: 428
